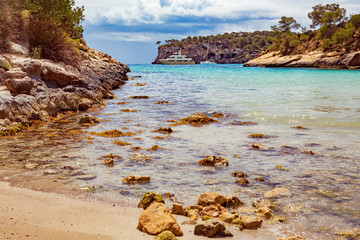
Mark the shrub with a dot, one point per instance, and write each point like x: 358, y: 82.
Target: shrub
x: 48, y: 41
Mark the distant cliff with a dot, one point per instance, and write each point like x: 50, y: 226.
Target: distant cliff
x: 223, y: 48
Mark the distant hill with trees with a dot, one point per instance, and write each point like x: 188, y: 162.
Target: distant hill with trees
x: 331, y: 31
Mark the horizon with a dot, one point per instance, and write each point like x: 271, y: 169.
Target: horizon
x: 129, y: 34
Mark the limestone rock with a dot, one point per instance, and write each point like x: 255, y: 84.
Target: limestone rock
x: 264, y: 203
x: 233, y: 202
x: 149, y: 198
x: 210, y: 198
x: 88, y: 119
x: 193, y: 214
x: 213, y: 210
x: 4, y: 64
x: 22, y: 85
x: 178, y: 209
x: 135, y: 179
x: 239, y: 174
x: 156, y: 219
x: 166, y: 235
x: 137, y: 157
x: 211, y: 228
x: 278, y: 193
x: 228, y: 217
x: 264, y: 212
x: 251, y: 222
x: 214, y: 161
x: 242, y: 181
x: 197, y: 120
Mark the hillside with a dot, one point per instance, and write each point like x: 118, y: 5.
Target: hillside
x: 223, y: 48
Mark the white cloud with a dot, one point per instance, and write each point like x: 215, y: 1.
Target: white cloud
x: 130, y: 12
x: 134, y: 36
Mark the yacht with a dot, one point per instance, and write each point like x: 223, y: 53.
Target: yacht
x: 177, y: 59
x: 207, y: 61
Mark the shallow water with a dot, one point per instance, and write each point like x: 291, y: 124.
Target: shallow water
x: 324, y: 185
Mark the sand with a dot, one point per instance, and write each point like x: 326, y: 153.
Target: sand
x: 28, y: 214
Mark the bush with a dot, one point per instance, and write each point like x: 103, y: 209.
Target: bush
x: 48, y: 41
x: 5, y: 26
x: 355, y: 20
x: 343, y: 34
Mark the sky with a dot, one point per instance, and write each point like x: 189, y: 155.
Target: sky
x: 129, y: 29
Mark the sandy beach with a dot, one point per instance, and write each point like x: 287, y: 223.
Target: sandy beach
x: 27, y: 214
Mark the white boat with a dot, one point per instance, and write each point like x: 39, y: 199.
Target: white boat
x: 207, y: 61
x: 177, y: 59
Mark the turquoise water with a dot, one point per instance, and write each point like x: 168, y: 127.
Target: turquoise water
x: 325, y: 186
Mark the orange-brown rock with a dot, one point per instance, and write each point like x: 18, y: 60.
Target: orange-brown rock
x: 251, y: 222
x: 213, y: 210
x: 156, y: 219
x: 211, y: 198
x: 214, y: 161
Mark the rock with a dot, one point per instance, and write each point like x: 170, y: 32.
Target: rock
x: 211, y: 198
x: 276, y: 219
x: 149, y: 198
x: 15, y: 73
x: 300, y: 128
x: 213, y: 211
x: 178, y: 209
x: 4, y: 64
x: 139, y: 97
x: 327, y: 194
x: 57, y: 73
x: 166, y: 235
x: 214, y: 161
x: 251, y: 222
x: 211, y: 229
x: 278, y: 193
x: 18, y: 49
x: 259, y: 179
x: 257, y: 135
x: 197, y: 120
x: 88, y: 119
x: 264, y: 203
x: 351, y: 234
x: 86, y: 177
x: 264, y: 212
x: 281, y: 168
x: 136, y: 179
x: 242, y: 182
x: 259, y: 146
x: 193, y: 214
x: 239, y: 174
x: 137, y: 157
x: 233, y: 202
x: 162, y: 102
x: 157, y: 218
x: 291, y: 238
x: 228, y: 217
x: 31, y: 166
x: 164, y: 130
x: 23, y: 85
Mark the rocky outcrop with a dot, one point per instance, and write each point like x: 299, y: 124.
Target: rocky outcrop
x: 35, y: 89
x: 313, y: 59
x: 219, y: 51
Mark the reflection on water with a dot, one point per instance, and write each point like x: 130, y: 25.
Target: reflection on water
x: 319, y: 165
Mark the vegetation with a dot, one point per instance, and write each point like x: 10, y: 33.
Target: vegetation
x: 50, y: 28
x: 331, y: 30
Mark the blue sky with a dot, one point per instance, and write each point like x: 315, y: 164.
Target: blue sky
x: 129, y: 29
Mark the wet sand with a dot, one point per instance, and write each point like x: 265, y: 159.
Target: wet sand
x: 27, y: 214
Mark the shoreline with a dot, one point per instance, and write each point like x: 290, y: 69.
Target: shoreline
x: 41, y: 215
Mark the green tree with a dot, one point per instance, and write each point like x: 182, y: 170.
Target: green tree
x: 286, y: 24
x: 326, y: 14
x: 355, y: 20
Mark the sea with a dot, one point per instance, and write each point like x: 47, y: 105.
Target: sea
x: 309, y: 119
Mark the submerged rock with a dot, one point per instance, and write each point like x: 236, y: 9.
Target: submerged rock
x: 211, y: 229
x: 139, y: 97
x: 157, y: 218
x: 259, y: 146
x: 233, y: 202
x: 278, y: 193
x: 214, y: 161
x: 239, y: 174
x: 137, y: 157
x: 149, y: 198
x: 197, y: 120
x: 164, y: 130
x: 242, y: 181
x: 136, y: 179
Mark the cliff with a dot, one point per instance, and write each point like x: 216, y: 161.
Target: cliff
x: 317, y: 59
x: 236, y: 47
x: 37, y: 89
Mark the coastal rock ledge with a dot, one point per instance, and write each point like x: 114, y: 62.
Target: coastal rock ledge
x: 313, y: 59
x: 37, y: 89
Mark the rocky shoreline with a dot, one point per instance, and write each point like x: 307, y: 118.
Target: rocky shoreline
x: 315, y: 59
x: 38, y: 89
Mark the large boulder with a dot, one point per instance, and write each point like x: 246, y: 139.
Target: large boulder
x: 156, y: 219
x: 211, y: 198
x: 58, y: 73
x: 211, y: 229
